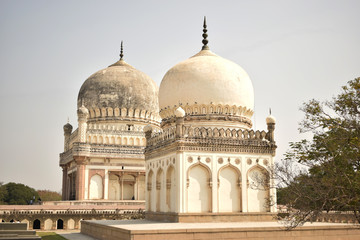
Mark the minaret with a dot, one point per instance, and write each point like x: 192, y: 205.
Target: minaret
x: 67, y: 133
x: 83, y: 114
x: 270, y: 121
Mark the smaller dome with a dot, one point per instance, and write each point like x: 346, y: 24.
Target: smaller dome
x: 179, y: 112
x: 148, y: 128
x: 270, y: 119
x: 68, y: 128
x: 120, y: 86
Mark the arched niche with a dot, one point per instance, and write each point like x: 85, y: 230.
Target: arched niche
x: 170, y: 189
x: 141, y: 187
x: 258, y: 189
x: 128, y: 182
x: 96, y: 187
x: 48, y: 224
x: 159, y: 187
x: 199, y: 188
x: 114, y: 187
x: 70, y: 224
x: 150, y: 199
x: 229, y: 191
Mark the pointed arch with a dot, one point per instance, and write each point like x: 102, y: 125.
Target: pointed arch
x: 114, y: 187
x: 199, y: 184
x: 159, y: 189
x: 229, y: 189
x: 96, y: 187
x: 258, y: 189
x: 127, y: 186
x: 170, y: 188
x: 149, y: 197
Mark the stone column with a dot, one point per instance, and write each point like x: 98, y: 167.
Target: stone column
x: 80, y: 180
x: 136, y: 188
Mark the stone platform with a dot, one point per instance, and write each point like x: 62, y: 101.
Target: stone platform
x: 210, y: 217
x: 151, y: 230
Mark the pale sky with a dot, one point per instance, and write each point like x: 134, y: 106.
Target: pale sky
x: 292, y: 50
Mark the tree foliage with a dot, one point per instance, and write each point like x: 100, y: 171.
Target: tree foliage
x: 17, y: 194
x: 330, y: 177
x: 47, y: 195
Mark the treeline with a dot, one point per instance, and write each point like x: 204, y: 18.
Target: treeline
x: 20, y: 194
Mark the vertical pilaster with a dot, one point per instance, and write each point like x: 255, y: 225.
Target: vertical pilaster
x: 64, y: 183
x: 80, y: 182
x: 215, y: 185
x: 244, y: 186
x: 106, y: 184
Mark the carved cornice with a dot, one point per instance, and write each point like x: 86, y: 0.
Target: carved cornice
x: 101, y: 150
x: 241, y: 121
x: 209, y: 140
x: 110, y: 114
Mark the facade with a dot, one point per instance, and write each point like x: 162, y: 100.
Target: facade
x: 208, y: 164
x: 204, y: 162
x: 103, y: 158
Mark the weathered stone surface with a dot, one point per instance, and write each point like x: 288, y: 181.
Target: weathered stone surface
x: 119, y: 86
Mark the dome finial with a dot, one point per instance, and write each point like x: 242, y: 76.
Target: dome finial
x: 205, y: 41
x: 121, y: 51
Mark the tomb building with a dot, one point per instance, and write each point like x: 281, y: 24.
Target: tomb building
x: 208, y: 164
x: 103, y: 158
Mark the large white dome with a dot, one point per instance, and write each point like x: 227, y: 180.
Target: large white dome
x: 207, y: 80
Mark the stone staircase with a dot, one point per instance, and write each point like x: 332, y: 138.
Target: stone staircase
x: 16, y: 231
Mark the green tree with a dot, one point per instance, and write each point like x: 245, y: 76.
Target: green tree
x: 3, y: 194
x: 330, y: 177
x: 18, y: 194
x: 47, y: 195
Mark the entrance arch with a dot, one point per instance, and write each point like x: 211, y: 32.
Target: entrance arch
x: 59, y: 224
x: 36, y: 224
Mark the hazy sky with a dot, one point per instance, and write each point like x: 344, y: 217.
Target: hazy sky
x: 292, y: 50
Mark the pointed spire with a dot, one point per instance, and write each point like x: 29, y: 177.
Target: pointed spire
x: 270, y: 111
x: 68, y: 120
x: 205, y: 41
x: 121, y: 51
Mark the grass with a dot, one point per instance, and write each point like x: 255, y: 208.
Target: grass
x: 50, y: 236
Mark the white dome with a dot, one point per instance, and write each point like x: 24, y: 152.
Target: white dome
x: 207, y: 79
